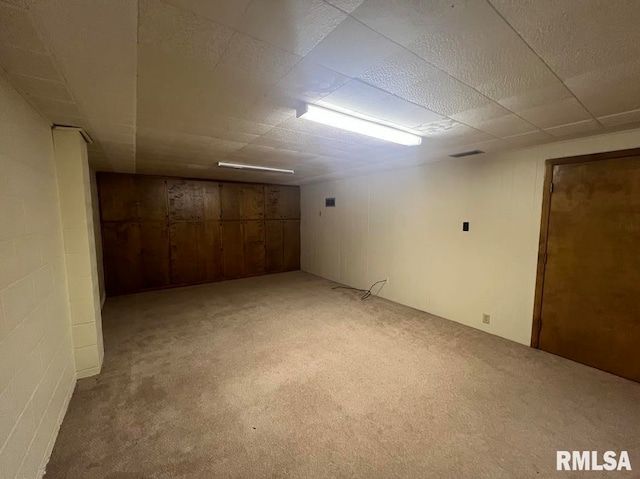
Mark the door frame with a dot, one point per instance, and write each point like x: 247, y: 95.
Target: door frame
x: 544, y: 225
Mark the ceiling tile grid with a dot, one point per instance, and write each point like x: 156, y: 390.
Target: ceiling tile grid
x: 174, y: 86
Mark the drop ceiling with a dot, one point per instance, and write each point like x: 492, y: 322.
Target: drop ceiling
x: 171, y: 87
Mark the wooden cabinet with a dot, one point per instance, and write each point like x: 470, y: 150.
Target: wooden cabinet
x: 159, y: 232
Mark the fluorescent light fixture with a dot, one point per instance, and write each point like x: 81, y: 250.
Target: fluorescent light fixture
x: 354, y: 123
x: 238, y: 166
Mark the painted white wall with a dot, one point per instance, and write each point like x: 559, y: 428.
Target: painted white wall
x: 407, y: 225
x: 74, y: 183
x: 37, y: 370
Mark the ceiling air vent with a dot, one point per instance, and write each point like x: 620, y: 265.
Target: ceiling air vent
x: 467, y: 153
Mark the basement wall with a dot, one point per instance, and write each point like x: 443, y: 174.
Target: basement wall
x: 407, y: 225
x: 37, y: 369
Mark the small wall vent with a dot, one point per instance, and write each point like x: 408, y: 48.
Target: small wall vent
x: 330, y: 202
x: 467, y: 153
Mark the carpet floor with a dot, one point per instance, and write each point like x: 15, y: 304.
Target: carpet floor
x: 281, y: 376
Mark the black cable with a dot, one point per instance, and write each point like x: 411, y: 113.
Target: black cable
x: 367, y: 292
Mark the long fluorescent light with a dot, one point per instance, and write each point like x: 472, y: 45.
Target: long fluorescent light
x: 238, y: 166
x: 347, y: 122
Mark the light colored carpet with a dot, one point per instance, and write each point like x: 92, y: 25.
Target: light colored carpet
x: 281, y: 376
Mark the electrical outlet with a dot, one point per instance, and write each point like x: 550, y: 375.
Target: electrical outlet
x: 486, y: 318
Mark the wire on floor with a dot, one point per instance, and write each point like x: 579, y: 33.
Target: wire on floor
x: 367, y: 293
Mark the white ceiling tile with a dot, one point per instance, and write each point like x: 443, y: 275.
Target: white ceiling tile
x: 560, y: 112
x: 581, y: 127
x: 346, y: 5
x: 17, y: 29
x: 224, y: 12
x: 293, y: 25
x: 587, y: 44
x: 32, y: 86
x: 28, y: 63
x: 352, y: 48
x: 308, y: 81
x: 180, y: 33
x: 620, y: 118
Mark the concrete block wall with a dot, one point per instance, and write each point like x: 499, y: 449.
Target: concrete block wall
x: 80, y: 249
x: 37, y: 369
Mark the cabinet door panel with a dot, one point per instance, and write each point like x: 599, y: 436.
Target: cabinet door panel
x: 210, y: 252
x: 231, y: 201
x: 252, y: 202
x: 154, y: 254
x: 121, y: 250
x: 151, y: 198
x: 272, y: 202
x: 185, y: 239
x: 232, y: 249
x: 290, y: 202
x: 118, y: 197
x: 186, y: 200
x: 291, y: 245
x: 211, y: 192
x: 253, y: 248
x: 274, y: 246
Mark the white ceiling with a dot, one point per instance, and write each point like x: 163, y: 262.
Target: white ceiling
x: 171, y: 87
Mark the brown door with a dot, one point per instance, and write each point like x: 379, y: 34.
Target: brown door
x: 590, y: 308
x: 252, y: 202
x: 231, y: 201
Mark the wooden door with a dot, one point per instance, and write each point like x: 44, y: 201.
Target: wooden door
x: 590, y: 298
x: 196, y: 251
x: 118, y: 197
x: 291, y: 240
x: 151, y: 198
x: 274, y: 246
x: 233, y: 249
x: 253, y: 247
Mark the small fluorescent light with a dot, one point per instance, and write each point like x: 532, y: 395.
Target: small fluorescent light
x: 355, y: 124
x: 238, y: 166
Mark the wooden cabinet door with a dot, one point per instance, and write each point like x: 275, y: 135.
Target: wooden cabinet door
x: 253, y: 248
x: 290, y: 202
x: 252, y: 202
x: 232, y: 249
x: 291, y: 235
x: 121, y: 249
x: 154, y: 254
x: 211, y: 192
x: 118, y: 197
x: 272, y: 202
x: 151, y: 198
x: 274, y: 246
x: 186, y: 237
x: 196, y: 252
x: 231, y: 201
x: 210, y: 251
x: 185, y: 199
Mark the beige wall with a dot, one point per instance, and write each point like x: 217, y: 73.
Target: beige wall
x: 37, y: 372
x: 97, y: 234
x: 407, y: 224
x: 74, y: 183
